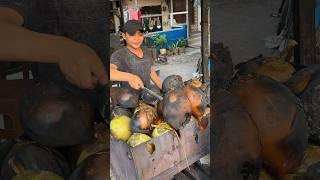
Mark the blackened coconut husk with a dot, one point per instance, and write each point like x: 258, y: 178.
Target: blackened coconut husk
x: 95, y: 167
x: 198, y: 100
x: 127, y: 98
x: 172, y: 82
x: 176, y: 108
x: 236, y: 150
x: 120, y: 111
x: 33, y: 156
x: 54, y: 116
x: 300, y: 80
x: 280, y: 120
x: 144, y: 116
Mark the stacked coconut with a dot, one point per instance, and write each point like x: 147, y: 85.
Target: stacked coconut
x: 61, y: 140
x: 136, y: 119
x: 269, y: 111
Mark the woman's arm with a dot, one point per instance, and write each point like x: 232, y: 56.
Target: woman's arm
x: 78, y: 62
x: 133, y: 80
x: 155, y: 78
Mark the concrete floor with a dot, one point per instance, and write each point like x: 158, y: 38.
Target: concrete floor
x: 243, y: 25
x: 184, y: 64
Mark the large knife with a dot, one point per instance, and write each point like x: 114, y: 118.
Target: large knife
x: 153, y: 93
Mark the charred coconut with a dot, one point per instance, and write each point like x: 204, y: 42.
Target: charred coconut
x: 280, y: 120
x: 55, y: 116
x: 236, y: 149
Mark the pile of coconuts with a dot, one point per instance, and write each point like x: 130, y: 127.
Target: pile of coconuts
x: 138, y: 118
x: 269, y: 112
x: 60, y: 140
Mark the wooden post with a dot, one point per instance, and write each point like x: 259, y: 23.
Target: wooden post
x: 187, y: 19
x: 211, y: 27
x: 204, y: 39
x: 121, y: 14
x: 171, y: 11
x: 305, y: 32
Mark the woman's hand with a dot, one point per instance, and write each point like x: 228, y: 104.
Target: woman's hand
x: 135, y: 82
x: 82, y: 66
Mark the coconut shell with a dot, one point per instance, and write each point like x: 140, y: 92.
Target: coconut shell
x: 300, y: 79
x: 197, y: 99
x: 312, y: 156
x: 54, y: 116
x: 160, y: 109
x: 137, y: 139
x: 280, y: 120
x: 176, y: 108
x: 172, y: 82
x: 204, y: 120
x: 311, y: 103
x: 32, y: 156
x: 236, y: 151
x: 127, y: 98
x: 142, y: 119
x: 196, y: 83
x: 101, y: 133
x: 76, y: 154
x: 94, y: 167
x: 160, y: 129
x: 120, y: 111
x: 90, y: 149
x: 275, y: 68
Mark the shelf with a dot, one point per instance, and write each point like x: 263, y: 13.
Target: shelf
x: 151, y: 15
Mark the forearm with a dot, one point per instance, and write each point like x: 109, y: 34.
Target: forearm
x: 155, y: 78
x: 20, y: 44
x: 116, y: 75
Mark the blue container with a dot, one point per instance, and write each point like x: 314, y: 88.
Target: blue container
x: 173, y: 35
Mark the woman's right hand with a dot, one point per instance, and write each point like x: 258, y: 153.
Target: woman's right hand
x: 83, y: 67
x: 135, y: 82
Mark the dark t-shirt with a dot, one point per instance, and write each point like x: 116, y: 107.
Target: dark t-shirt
x: 84, y: 21
x: 126, y: 61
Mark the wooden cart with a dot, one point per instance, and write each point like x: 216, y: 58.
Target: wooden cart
x: 169, y: 157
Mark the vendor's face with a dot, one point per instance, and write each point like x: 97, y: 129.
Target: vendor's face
x: 135, y: 40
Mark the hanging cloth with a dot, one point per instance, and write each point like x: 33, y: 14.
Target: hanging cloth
x: 133, y: 13
x: 125, y: 14
x: 139, y: 15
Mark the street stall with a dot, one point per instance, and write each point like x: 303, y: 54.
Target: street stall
x: 157, y: 137
x: 162, y: 134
